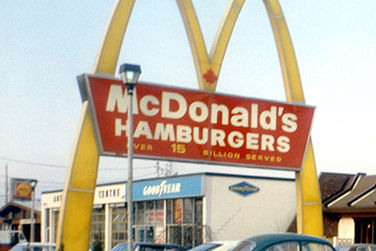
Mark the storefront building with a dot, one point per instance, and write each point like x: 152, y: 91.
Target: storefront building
x: 187, y: 209
x: 349, y: 207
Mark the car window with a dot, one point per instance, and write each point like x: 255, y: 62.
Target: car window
x: 150, y: 248
x: 312, y: 246
x: 169, y: 248
x: 284, y: 246
x: 206, y: 247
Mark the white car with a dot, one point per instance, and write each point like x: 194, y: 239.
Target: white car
x: 34, y: 246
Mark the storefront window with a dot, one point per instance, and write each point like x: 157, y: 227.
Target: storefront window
x: 150, y: 213
x: 365, y: 230
x: 97, y: 226
x: 149, y: 221
x: 46, y: 225
x: 174, y: 234
x: 55, y: 219
x: 159, y: 214
x: 169, y: 210
x: 188, y: 210
x: 140, y: 212
x: 198, y: 211
x: 184, y: 221
x: 178, y: 211
x: 188, y: 235
x: 119, y: 225
x: 198, y: 233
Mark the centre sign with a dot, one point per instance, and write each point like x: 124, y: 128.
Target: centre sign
x: 190, y: 125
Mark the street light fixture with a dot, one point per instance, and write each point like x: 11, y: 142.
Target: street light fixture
x: 33, y: 184
x: 129, y: 74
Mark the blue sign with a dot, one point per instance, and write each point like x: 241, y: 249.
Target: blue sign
x: 244, y: 188
x: 168, y: 188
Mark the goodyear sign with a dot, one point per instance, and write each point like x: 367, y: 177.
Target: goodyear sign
x: 244, y: 188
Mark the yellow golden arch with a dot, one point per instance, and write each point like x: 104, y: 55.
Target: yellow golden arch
x: 78, y: 193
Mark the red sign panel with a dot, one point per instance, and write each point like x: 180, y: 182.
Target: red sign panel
x: 198, y: 126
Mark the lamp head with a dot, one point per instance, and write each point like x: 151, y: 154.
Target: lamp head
x: 33, y: 183
x: 129, y: 74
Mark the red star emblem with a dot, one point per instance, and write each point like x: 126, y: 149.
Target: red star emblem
x: 210, y: 77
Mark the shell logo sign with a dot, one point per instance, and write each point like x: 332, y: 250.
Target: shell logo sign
x: 21, y: 189
x: 190, y: 125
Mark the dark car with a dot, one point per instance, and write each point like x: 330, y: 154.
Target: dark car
x: 272, y: 242
x: 357, y: 247
x: 145, y: 246
x: 284, y: 242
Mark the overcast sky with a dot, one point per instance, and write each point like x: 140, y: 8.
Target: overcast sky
x: 44, y: 45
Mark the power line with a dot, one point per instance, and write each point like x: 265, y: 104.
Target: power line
x: 32, y: 163
x: 61, y: 166
x: 150, y: 174
x: 121, y: 169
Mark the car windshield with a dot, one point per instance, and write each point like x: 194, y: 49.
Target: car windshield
x: 32, y: 248
x: 120, y: 247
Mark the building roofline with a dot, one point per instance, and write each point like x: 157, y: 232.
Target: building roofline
x: 190, y: 175
x: 361, y: 195
x: 344, y: 192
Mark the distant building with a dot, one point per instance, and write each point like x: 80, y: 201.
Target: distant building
x: 16, y: 215
x: 349, y: 207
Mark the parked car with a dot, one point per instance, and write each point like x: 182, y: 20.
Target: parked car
x: 284, y: 242
x: 270, y: 242
x: 145, y: 246
x: 9, y: 238
x: 357, y: 247
x: 34, y: 246
x: 217, y: 246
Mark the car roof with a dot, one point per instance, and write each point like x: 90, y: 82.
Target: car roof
x: 356, y: 246
x: 150, y: 244
x: 269, y: 239
x: 37, y: 244
x: 157, y: 244
x: 218, y: 245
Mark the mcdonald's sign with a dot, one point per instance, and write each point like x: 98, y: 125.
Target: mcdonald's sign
x: 199, y: 126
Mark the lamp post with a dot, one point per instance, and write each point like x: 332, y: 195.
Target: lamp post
x: 33, y: 184
x: 129, y: 74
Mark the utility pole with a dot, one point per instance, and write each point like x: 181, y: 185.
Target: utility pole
x: 6, y: 184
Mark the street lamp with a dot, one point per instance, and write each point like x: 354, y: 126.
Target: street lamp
x: 33, y: 184
x: 129, y: 74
